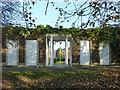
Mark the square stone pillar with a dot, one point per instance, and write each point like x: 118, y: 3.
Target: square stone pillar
x: 66, y: 51
x: 47, y: 57
x: 70, y: 53
x: 51, y: 50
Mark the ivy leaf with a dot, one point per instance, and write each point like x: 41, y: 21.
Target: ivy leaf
x: 98, y: 8
x: 30, y: 18
x: 51, y: 2
x: 81, y: 12
x: 26, y: 19
x: 34, y: 25
x: 30, y: 24
x: 108, y: 15
x: 106, y: 20
x: 33, y: 20
x: 30, y: 7
x: 56, y: 8
x: 111, y: 7
x: 105, y: 4
x: 33, y: 3
x: 93, y: 24
x: 26, y: 15
x: 115, y: 8
x: 30, y: 13
x: 28, y: 32
x: 61, y: 13
x: 21, y: 32
x: 25, y: 35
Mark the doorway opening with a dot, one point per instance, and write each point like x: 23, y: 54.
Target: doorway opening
x: 58, y: 50
x: 59, y: 53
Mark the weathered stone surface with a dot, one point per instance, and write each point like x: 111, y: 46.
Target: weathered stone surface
x: 84, y: 52
x: 12, y: 52
x: 75, y: 50
x: 42, y: 49
x: 22, y: 50
x: 95, y: 52
x: 31, y: 58
x: 104, y: 54
x: 4, y: 48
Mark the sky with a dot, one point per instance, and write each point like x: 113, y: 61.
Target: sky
x: 58, y: 45
x: 38, y: 11
x: 50, y: 18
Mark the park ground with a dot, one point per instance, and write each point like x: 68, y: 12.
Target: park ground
x: 61, y: 77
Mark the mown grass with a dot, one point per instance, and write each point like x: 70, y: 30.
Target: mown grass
x: 62, y: 78
x: 60, y: 62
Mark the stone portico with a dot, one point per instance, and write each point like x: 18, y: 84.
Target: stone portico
x: 35, y: 51
x: 57, y: 37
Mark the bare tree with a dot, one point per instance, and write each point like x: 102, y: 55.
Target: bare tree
x: 98, y: 13
x: 17, y: 13
x: 11, y: 13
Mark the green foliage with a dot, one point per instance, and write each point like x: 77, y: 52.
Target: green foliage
x: 59, y: 50
x: 109, y: 34
x: 60, y: 62
x: 58, y: 59
x: 99, y: 34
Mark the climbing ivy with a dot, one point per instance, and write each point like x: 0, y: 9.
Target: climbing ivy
x: 100, y: 34
x: 107, y: 34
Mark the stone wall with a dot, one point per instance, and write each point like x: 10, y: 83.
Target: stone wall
x: 75, y: 50
x: 21, y: 45
x: 42, y: 50
x: 22, y: 50
x: 95, y: 52
x: 3, y: 50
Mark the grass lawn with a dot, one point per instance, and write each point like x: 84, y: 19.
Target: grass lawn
x: 61, y: 77
x: 60, y: 62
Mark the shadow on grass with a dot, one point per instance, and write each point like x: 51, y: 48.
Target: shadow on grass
x: 50, y: 77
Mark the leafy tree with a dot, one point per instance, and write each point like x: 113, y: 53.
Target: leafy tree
x: 27, y: 6
x: 99, y: 13
x: 58, y: 52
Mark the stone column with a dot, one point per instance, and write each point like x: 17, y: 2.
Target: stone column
x: 51, y: 50
x: 46, y: 52
x: 70, y: 53
x: 66, y: 51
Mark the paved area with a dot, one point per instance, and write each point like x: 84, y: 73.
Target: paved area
x: 59, y: 64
